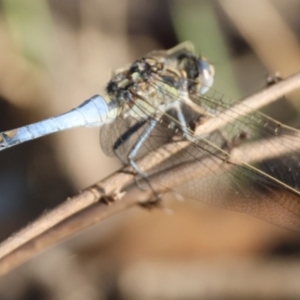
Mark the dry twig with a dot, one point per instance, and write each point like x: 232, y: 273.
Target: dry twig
x: 104, y: 198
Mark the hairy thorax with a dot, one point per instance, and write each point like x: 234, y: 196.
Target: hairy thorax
x: 145, y: 86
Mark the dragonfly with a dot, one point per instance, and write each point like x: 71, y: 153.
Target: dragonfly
x: 249, y: 162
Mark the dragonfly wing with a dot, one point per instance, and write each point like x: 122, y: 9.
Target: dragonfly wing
x: 110, y: 133
x: 248, y: 162
x: 122, y: 135
x: 266, y: 188
x: 247, y: 190
x: 185, y: 47
x: 241, y: 125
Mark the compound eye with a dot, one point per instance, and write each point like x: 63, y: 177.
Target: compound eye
x: 206, y: 75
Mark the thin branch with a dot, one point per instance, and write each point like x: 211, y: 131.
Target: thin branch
x: 104, y: 198
x: 86, y: 218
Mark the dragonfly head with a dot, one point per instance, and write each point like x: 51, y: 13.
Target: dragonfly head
x: 199, y: 72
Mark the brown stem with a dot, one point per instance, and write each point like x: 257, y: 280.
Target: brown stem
x: 104, y: 198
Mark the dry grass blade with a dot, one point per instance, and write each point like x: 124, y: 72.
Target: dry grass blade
x: 104, y: 198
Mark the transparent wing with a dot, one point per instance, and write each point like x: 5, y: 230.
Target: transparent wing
x: 110, y: 133
x: 122, y: 133
x: 120, y: 136
x: 246, y: 190
x: 249, y: 162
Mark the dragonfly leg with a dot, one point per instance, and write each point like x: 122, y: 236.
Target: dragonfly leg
x: 138, y: 144
x: 183, y: 125
x: 125, y: 137
x: 182, y: 122
x: 134, y: 150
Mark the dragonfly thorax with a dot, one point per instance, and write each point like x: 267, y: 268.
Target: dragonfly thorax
x: 123, y: 86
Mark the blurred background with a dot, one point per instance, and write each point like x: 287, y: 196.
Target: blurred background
x: 54, y: 55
